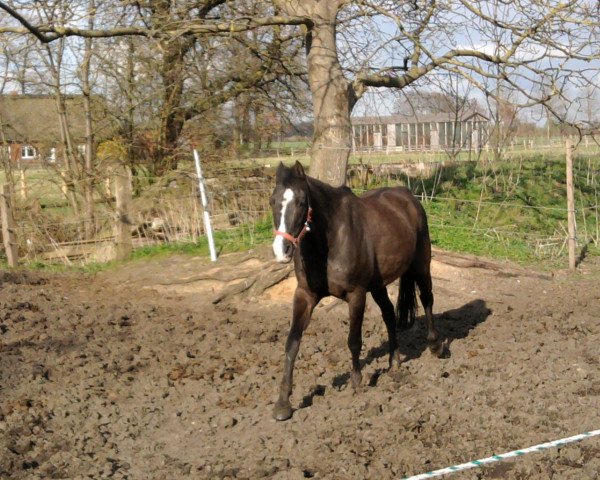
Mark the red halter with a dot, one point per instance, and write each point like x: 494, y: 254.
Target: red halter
x: 306, y: 228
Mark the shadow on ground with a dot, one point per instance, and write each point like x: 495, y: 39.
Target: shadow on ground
x: 452, y: 325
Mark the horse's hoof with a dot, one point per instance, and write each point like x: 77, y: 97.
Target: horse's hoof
x: 356, y: 379
x: 282, y: 411
x: 396, y: 360
x: 438, y: 349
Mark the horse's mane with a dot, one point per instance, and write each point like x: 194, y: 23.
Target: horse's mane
x: 328, y: 189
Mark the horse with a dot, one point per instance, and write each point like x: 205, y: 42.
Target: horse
x: 347, y: 246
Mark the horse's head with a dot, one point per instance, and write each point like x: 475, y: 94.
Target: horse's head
x: 290, y: 206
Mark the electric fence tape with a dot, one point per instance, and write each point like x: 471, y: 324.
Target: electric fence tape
x: 504, y: 456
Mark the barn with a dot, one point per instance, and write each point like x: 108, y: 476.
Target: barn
x: 468, y: 130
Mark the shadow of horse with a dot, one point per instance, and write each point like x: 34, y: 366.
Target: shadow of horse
x: 452, y: 325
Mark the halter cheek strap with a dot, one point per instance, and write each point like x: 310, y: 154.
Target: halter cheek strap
x: 306, y: 228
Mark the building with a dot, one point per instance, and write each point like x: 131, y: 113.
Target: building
x: 427, y: 132
x: 30, y: 126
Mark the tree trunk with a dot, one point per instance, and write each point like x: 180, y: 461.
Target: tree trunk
x: 71, y: 172
x: 333, y: 95
x: 258, y: 128
x: 129, y: 127
x: 89, y: 154
x: 333, y: 99
x: 172, y: 118
x: 172, y: 73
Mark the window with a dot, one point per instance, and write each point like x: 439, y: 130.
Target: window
x: 449, y: 134
x: 27, y: 152
x: 426, y: 141
x: 52, y: 156
x: 412, y: 135
x: 401, y: 135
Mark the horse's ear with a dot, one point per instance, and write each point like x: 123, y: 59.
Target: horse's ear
x: 298, y: 170
x: 280, y: 172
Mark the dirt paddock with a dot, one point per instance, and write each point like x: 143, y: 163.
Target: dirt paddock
x: 135, y: 373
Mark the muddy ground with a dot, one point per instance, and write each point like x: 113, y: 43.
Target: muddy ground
x: 134, y: 373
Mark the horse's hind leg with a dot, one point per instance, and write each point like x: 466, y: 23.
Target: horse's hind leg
x: 356, y: 305
x: 387, y: 311
x: 423, y: 280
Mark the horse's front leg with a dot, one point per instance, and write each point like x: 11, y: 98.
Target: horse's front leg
x: 304, y: 303
x: 356, y: 306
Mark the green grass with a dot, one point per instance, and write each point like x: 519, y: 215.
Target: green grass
x: 513, y: 210
x: 236, y: 239
x: 458, y: 234
x: 240, y: 238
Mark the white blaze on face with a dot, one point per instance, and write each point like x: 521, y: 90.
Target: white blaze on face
x: 288, y: 195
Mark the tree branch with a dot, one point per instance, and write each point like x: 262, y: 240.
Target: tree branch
x: 415, y: 72
x: 47, y: 34
x: 28, y: 28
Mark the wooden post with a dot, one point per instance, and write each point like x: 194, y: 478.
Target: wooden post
x: 63, y: 186
x: 572, y: 240
x: 107, y: 189
x: 23, y: 184
x: 8, y: 227
x: 123, y: 243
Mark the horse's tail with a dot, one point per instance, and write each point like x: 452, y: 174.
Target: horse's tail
x: 406, y: 305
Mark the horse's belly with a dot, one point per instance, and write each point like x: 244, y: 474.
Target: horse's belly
x: 391, y: 268
x: 375, y: 273
x: 342, y: 277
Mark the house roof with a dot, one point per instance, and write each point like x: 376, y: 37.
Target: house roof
x: 34, y: 118
x: 419, y: 118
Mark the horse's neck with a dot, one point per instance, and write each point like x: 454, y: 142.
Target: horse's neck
x: 331, y: 210
x: 326, y: 202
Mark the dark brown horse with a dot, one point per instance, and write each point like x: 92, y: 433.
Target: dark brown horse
x: 346, y: 246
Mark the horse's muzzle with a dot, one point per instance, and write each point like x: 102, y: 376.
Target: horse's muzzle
x: 283, y: 250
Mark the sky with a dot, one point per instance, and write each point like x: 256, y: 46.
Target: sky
x: 580, y: 78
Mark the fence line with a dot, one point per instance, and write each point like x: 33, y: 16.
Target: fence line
x: 238, y: 197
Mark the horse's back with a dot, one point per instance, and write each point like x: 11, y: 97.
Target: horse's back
x: 393, y: 205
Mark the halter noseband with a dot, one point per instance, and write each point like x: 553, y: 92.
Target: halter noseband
x: 306, y: 228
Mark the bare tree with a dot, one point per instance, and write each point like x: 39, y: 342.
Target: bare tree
x: 347, y: 44
x: 89, y: 153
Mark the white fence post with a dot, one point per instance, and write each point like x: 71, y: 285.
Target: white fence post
x: 572, y: 228
x: 207, y: 224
